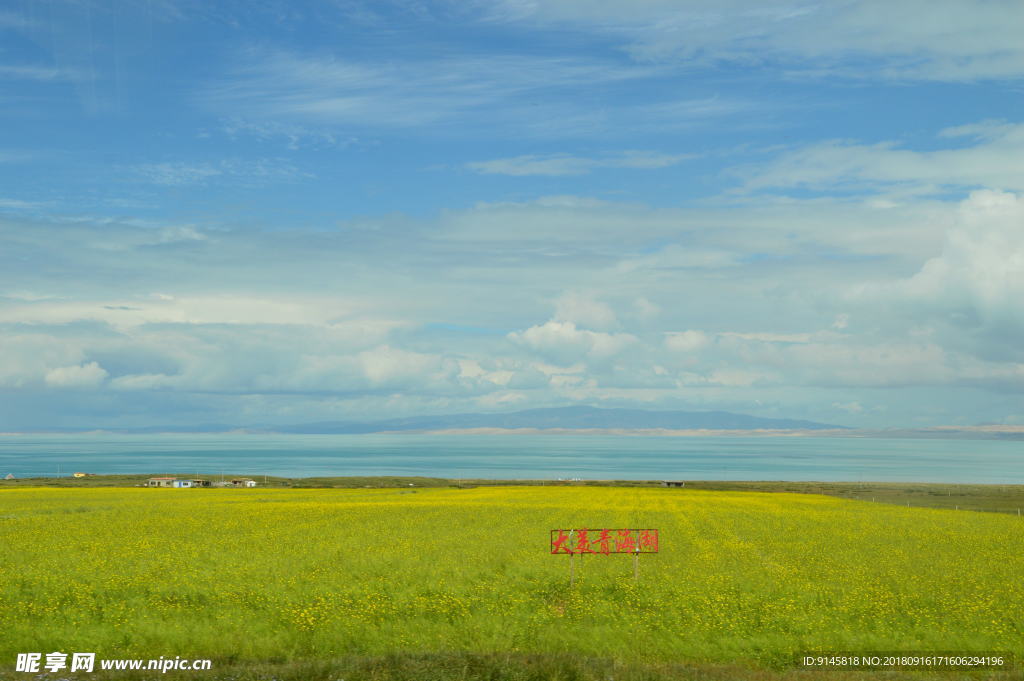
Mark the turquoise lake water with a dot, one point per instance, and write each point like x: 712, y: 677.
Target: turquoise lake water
x: 520, y: 457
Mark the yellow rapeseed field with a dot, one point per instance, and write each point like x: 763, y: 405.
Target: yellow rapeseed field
x: 286, y: 574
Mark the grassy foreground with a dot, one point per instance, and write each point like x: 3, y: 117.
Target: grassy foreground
x: 457, y: 583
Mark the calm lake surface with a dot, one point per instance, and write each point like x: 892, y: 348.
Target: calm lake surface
x: 520, y: 457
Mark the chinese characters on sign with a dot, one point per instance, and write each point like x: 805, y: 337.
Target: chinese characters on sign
x: 603, y: 542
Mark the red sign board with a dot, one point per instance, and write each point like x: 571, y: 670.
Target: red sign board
x: 604, y: 542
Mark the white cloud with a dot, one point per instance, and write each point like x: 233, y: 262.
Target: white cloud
x: 345, y: 318
x: 993, y: 160
x: 645, y: 310
x: 17, y: 204
x: 715, y: 234
x: 177, y: 173
x: 564, y: 164
x: 240, y: 359
x: 33, y: 72
x: 736, y: 378
x: 675, y: 256
x: 914, y: 39
x: 564, y: 343
x: 81, y: 376
x: 295, y: 136
x: 187, y: 309
x: 578, y: 308
x: 286, y: 88
x: 258, y: 170
x: 686, y: 113
x: 768, y: 337
x: 982, y: 264
x: 977, y: 282
x: 564, y: 219
x: 387, y: 366
x: 504, y: 400
x: 29, y: 296
x: 26, y: 358
x: 686, y: 341
x: 847, y: 363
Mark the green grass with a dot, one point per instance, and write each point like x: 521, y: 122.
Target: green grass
x: 449, y: 583
x: 993, y: 498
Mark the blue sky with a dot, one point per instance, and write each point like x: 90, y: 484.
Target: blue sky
x: 279, y: 212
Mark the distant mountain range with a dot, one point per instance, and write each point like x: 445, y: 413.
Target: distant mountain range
x: 567, y: 418
x: 588, y: 419
x: 560, y: 418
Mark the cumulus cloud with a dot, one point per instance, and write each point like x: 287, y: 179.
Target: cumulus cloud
x: 82, y: 376
x: 564, y: 343
x: 980, y: 273
x: 968, y: 296
x: 255, y: 324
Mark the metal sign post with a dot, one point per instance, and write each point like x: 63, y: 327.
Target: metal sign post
x: 603, y: 542
x: 572, y: 564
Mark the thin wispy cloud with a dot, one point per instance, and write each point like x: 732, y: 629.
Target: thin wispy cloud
x: 295, y: 136
x: 18, y: 205
x: 563, y: 164
x: 29, y: 72
x: 690, y: 111
x: 14, y: 20
x: 10, y: 156
x: 178, y: 173
x: 408, y: 93
x: 914, y: 40
x: 992, y: 160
